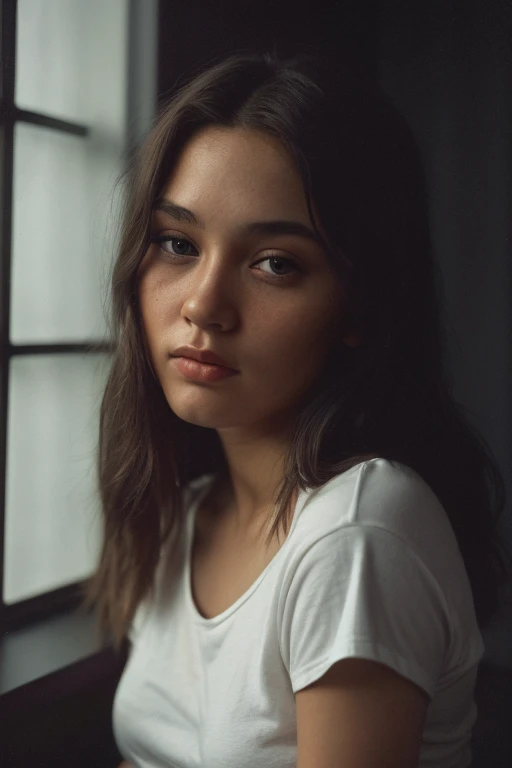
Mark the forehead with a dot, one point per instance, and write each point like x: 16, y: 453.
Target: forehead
x: 226, y: 170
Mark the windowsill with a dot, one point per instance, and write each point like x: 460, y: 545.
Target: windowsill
x: 34, y: 652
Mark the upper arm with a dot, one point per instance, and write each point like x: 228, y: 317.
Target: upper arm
x: 360, y: 714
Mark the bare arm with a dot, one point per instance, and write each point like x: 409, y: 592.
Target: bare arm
x: 382, y: 713
x: 124, y: 764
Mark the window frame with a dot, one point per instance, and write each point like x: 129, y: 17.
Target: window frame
x: 68, y: 597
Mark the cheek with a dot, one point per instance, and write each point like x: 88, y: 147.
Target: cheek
x: 298, y: 339
x: 155, y: 302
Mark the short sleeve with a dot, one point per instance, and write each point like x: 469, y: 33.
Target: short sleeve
x: 361, y: 591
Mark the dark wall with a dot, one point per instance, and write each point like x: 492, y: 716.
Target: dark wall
x: 447, y: 65
x: 191, y: 34
x: 448, y: 68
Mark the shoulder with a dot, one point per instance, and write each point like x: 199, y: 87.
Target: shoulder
x: 379, y: 493
x: 373, y: 540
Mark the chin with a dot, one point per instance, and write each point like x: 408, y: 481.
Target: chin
x: 204, y: 415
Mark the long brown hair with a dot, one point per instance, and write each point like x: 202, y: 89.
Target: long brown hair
x: 388, y: 397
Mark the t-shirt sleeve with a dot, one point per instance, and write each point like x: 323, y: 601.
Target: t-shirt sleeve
x: 361, y: 591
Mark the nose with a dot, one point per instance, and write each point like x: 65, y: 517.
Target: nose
x: 210, y: 297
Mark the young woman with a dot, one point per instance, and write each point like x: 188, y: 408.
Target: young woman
x: 298, y: 519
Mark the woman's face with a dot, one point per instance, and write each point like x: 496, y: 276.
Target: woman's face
x: 265, y: 301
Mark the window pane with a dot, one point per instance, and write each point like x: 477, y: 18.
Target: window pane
x: 53, y: 531
x: 61, y: 211
x: 71, y: 60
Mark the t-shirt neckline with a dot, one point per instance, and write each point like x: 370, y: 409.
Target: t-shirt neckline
x: 206, y: 482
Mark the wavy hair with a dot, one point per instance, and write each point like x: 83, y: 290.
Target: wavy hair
x: 388, y: 397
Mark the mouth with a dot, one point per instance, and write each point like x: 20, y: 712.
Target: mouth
x: 201, y: 372
x: 202, y: 356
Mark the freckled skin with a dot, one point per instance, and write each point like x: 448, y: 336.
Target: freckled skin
x: 277, y: 334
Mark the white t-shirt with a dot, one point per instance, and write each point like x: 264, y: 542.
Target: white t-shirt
x: 370, y: 568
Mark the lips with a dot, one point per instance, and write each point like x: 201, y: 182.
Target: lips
x: 202, y: 356
x: 202, y: 373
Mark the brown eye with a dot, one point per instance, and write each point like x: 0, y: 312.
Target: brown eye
x: 178, y: 244
x: 278, y: 262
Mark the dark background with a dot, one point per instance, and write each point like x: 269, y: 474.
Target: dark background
x: 448, y: 68
x: 447, y: 65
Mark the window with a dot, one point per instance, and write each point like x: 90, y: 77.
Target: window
x: 67, y: 115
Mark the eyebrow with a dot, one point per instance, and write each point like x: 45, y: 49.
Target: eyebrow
x: 179, y: 213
